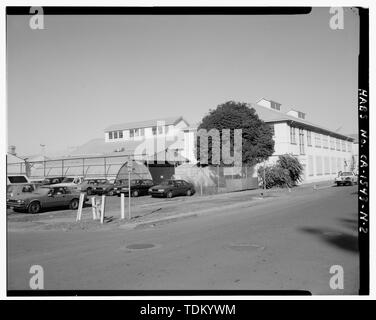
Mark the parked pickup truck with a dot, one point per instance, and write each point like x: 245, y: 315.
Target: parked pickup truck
x: 346, y: 178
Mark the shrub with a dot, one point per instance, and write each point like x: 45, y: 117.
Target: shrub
x: 275, y: 176
x: 293, y: 166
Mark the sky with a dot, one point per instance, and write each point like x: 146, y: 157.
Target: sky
x: 68, y: 82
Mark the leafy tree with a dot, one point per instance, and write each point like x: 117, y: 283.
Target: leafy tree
x: 293, y: 166
x: 257, y: 137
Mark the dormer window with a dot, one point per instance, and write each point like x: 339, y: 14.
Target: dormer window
x: 275, y: 105
x: 301, y: 115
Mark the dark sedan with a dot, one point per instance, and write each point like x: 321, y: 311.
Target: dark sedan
x: 139, y: 187
x: 172, y: 188
x: 97, y: 186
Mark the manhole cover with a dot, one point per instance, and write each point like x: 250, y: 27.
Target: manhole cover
x: 140, y: 246
x: 246, y: 247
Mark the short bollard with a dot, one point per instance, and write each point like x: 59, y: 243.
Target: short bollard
x: 102, y: 208
x: 80, y: 205
x: 122, y: 206
x: 94, y: 207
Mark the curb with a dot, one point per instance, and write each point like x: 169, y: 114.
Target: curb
x: 192, y: 214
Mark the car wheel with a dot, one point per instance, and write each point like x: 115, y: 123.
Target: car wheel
x: 135, y: 193
x: 189, y: 192
x: 74, y: 204
x: 350, y: 183
x: 338, y: 184
x: 89, y: 191
x: 169, y: 194
x: 34, y: 207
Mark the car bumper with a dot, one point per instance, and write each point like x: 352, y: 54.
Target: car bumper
x: 14, y: 205
x: 157, y: 193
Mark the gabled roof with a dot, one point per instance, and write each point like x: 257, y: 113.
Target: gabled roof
x: 144, y: 124
x: 128, y: 147
x: 271, y: 115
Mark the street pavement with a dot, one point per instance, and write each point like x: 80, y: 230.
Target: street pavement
x: 281, y: 242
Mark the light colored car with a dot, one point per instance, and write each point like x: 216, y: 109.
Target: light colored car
x: 73, y: 182
x: 45, y: 197
x: 346, y: 178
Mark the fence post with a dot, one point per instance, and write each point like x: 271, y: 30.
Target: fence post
x: 218, y: 179
x: 105, y: 166
x: 201, y: 181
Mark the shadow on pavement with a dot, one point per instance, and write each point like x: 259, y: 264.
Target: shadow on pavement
x: 339, y: 239
x: 350, y: 223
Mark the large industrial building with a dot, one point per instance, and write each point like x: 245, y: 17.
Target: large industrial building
x: 165, y: 143
x: 321, y: 151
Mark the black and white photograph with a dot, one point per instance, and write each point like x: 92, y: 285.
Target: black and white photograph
x: 187, y: 150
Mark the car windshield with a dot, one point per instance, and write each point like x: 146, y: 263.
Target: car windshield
x: 346, y: 174
x: 167, y: 183
x: 65, y: 180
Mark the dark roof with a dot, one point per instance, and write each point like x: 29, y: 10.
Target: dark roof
x: 144, y: 124
x: 355, y: 136
x: 271, y: 115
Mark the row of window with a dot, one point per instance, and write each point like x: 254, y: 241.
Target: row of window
x: 320, y: 141
x: 326, y: 165
x: 137, y: 132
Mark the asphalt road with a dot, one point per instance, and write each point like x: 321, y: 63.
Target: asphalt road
x: 288, y: 242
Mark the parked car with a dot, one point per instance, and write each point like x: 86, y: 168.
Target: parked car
x: 17, y: 179
x: 171, y: 188
x: 53, y: 180
x: 16, y: 189
x: 346, y: 178
x: 97, y: 186
x: 139, y: 187
x: 73, y: 182
x: 45, y: 197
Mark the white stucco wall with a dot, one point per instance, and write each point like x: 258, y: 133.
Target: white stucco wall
x: 320, y: 164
